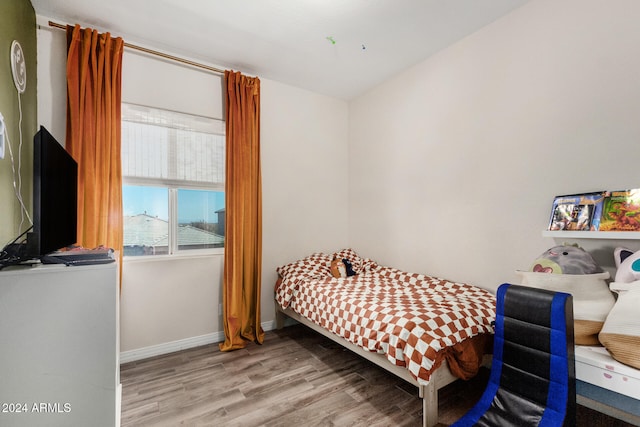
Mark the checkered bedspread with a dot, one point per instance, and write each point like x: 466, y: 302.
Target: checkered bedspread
x: 408, y: 317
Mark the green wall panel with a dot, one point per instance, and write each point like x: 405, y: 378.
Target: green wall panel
x: 17, y: 22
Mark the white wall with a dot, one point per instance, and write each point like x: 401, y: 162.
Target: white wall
x: 167, y: 301
x: 171, y: 303
x: 453, y: 164
x: 304, y: 178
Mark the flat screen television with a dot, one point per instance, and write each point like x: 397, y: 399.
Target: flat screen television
x: 55, y: 196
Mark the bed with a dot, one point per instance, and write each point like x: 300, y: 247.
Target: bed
x: 425, y: 330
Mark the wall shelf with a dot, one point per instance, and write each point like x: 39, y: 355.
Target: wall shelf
x: 612, y: 235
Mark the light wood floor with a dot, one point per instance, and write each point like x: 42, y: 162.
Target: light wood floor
x: 296, y: 378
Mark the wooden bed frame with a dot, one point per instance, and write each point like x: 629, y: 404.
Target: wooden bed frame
x: 429, y: 393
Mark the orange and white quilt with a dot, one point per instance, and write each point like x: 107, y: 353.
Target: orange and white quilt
x: 408, y: 317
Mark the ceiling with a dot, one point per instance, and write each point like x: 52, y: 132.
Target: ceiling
x: 340, y: 48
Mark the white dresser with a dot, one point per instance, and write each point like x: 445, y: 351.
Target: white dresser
x: 59, y: 346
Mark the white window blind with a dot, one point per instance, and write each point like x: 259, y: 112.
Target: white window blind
x: 172, y: 147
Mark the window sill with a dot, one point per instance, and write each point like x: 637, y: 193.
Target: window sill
x: 169, y: 258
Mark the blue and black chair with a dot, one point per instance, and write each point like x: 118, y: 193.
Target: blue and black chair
x: 532, y: 380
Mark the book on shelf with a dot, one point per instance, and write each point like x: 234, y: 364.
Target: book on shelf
x: 577, y: 212
x: 621, y: 211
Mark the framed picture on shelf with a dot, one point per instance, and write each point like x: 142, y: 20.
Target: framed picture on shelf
x: 577, y: 212
x: 621, y: 211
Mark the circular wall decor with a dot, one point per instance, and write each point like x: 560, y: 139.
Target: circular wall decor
x: 18, y: 66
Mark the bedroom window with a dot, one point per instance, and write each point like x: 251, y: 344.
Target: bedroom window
x: 173, y: 182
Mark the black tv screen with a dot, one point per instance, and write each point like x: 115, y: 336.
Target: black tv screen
x: 55, y: 196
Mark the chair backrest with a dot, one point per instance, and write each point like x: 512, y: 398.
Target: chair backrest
x: 532, y: 381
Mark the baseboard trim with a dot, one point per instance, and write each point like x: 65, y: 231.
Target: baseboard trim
x: 183, y: 344
x: 169, y: 347
x: 118, y: 405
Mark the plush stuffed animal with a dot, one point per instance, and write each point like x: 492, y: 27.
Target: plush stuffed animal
x: 627, y: 265
x: 349, y: 267
x: 621, y: 331
x: 571, y: 269
x: 566, y: 259
x: 342, y: 267
x: 338, y: 268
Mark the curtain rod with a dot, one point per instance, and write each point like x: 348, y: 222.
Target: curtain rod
x: 155, y: 52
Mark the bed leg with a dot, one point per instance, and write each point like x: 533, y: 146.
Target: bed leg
x: 429, y: 395
x: 280, y: 318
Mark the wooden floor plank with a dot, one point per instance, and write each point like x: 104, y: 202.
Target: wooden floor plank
x: 295, y: 378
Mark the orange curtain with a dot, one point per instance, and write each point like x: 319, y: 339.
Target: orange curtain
x: 243, y: 199
x: 94, y: 73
